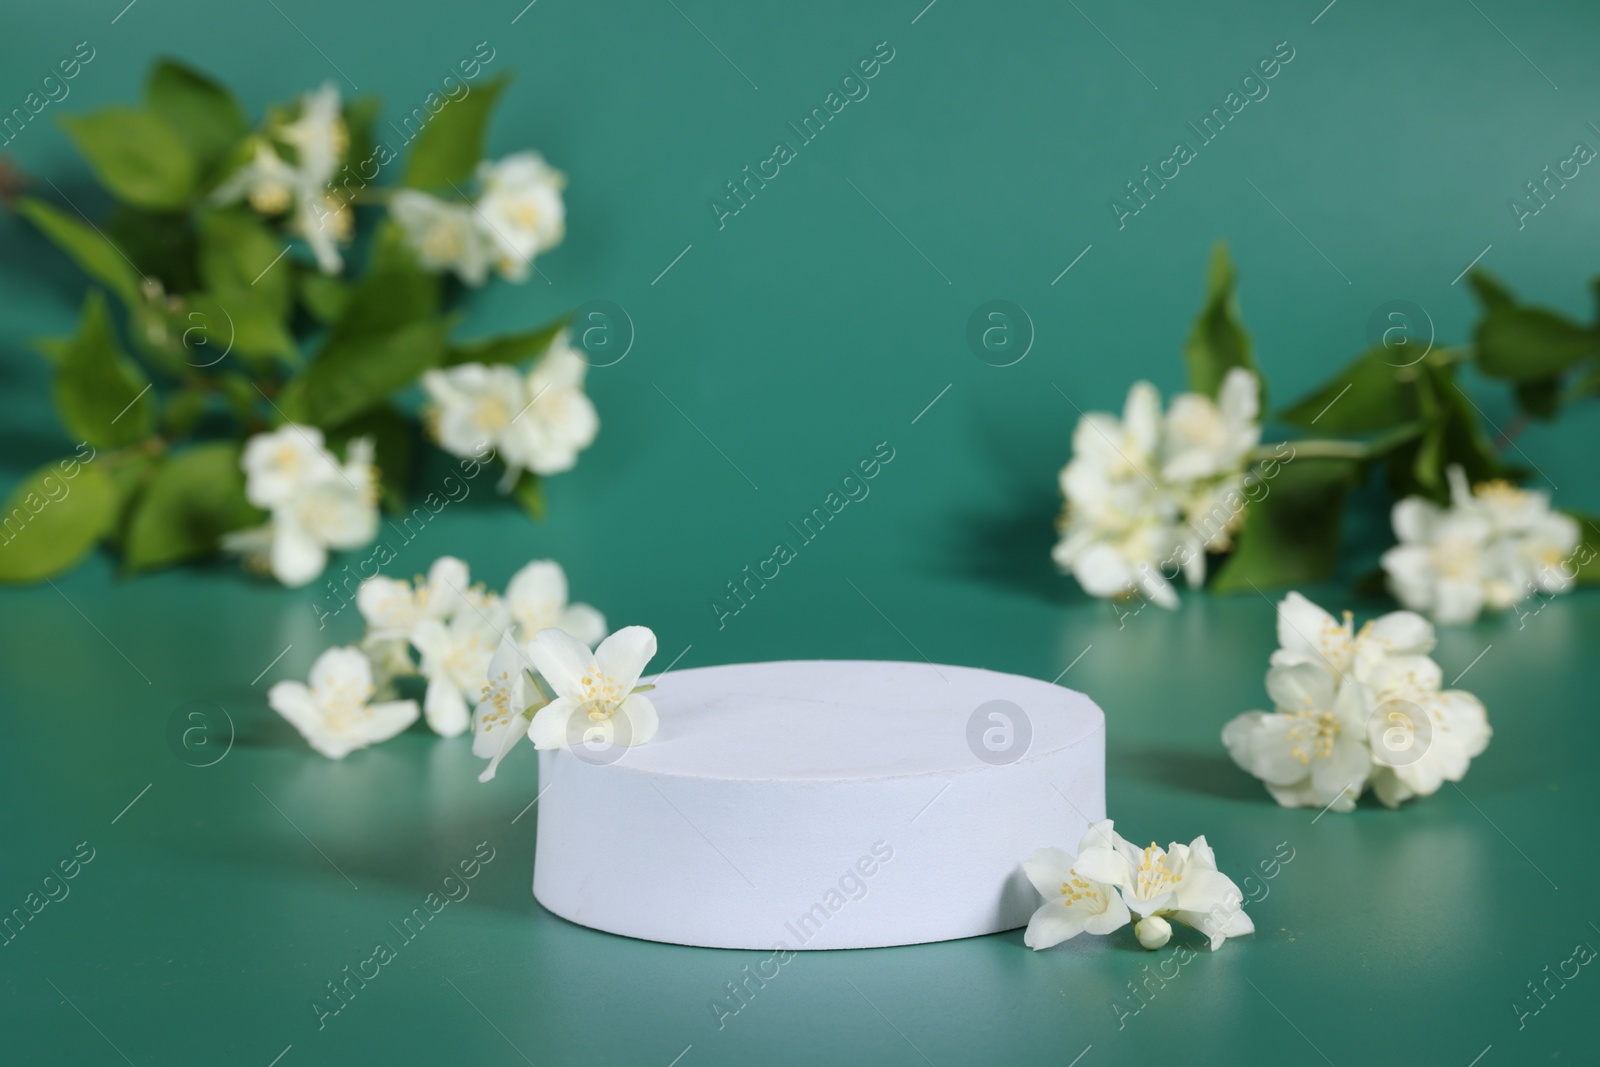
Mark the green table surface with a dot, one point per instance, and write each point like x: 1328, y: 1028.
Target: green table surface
x: 772, y: 355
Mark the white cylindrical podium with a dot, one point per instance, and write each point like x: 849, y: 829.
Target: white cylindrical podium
x: 821, y: 804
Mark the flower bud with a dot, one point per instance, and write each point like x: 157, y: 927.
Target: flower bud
x: 1152, y: 931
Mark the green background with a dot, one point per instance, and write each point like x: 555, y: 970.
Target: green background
x: 818, y: 323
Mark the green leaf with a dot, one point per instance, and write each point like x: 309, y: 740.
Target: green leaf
x: 1587, y: 557
x: 507, y: 348
x: 158, y: 333
x: 360, y: 118
x: 1465, y: 439
x: 183, y: 411
x: 161, y: 245
x: 324, y: 296
x: 355, y: 374
x: 215, y: 326
x: 1368, y: 395
x: 1586, y: 382
x: 52, y: 520
x: 394, y: 442
x: 92, y: 251
x: 1381, y: 444
x: 1453, y: 434
x: 52, y: 348
x: 387, y: 335
x: 1291, y: 536
x: 1527, y: 343
x: 100, y: 392
x: 1217, y: 341
x: 137, y: 155
x: 452, y: 140
x: 291, y: 404
x: 241, y: 396
x: 128, y: 475
x: 239, y: 254
x: 203, y: 113
x: 1539, y: 398
x: 394, y: 292
x: 1491, y: 293
x: 529, y: 494
x: 193, y: 499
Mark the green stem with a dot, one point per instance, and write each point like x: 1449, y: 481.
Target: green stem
x: 1312, y: 449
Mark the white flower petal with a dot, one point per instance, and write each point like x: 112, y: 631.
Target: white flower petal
x: 1239, y: 396
x: 1047, y: 869
x: 1103, y: 572
x: 1100, y: 834
x: 624, y: 655
x: 293, y: 701
x: 1458, y: 602
x: 642, y: 719
x: 1403, y: 632
x: 1051, y: 925
x: 338, y: 667
x: 563, y: 661
x: 387, y: 720
x: 1141, y: 418
x: 1302, y: 687
x: 446, y: 708
x: 1343, y: 772
x: 448, y: 582
x: 549, y: 726
x: 1414, y: 519
x: 1114, y: 917
x: 498, y: 746
x: 1103, y: 865
x: 297, y: 558
x: 1205, y: 890
x: 541, y: 584
x: 583, y: 622
x: 386, y: 604
x: 1305, y: 629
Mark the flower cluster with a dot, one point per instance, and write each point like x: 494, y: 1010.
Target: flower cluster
x: 598, y: 702
x: 290, y: 169
x: 315, y: 502
x: 537, y: 422
x: 1493, y: 547
x: 273, y: 186
x: 290, y: 267
x: 335, y: 713
x: 1111, y: 883
x: 1150, y: 494
x: 1353, y: 708
x: 441, y: 629
x: 519, y: 213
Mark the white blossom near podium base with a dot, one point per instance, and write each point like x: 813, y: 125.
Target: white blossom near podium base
x: 820, y: 805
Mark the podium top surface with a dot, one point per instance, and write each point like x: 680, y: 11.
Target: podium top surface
x: 837, y: 720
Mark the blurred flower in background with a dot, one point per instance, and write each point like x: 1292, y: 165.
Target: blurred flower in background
x: 1145, y: 493
x: 1354, y: 708
x: 518, y: 215
x: 319, y: 139
x: 333, y: 713
x: 448, y: 633
x: 445, y: 236
x: 228, y: 316
x: 538, y: 422
x: 314, y: 501
x: 1495, y: 546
